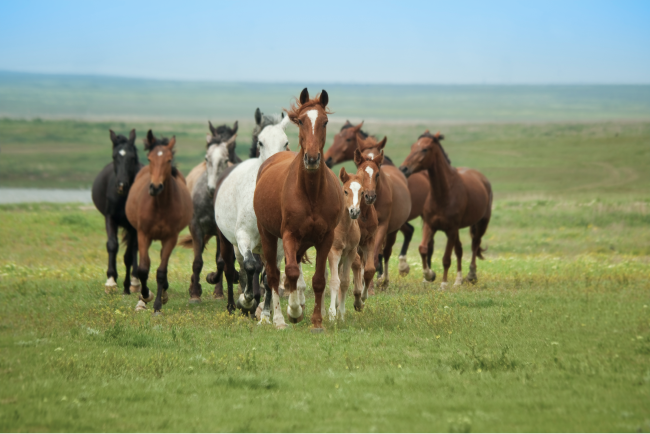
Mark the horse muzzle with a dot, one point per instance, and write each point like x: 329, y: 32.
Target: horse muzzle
x: 122, y: 189
x: 329, y: 162
x: 406, y: 171
x: 312, y: 163
x: 370, y: 197
x: 155, y: 190
x: 354, y: 213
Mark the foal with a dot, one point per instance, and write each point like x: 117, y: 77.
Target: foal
x: 344, y: 249
x: 299, y: 200
x: 459, y: 198
x: 159, y: 206
x: 393, y: 201
x: 110, y: 190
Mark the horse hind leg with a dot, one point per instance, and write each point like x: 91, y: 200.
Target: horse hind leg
x: 146, y: 296
x: 112, y: 247
x: 426, y: 250
x: 131, y: 283
x: 198, y: 244
x: 446, y: 258
x: 247, y: 302
x: 476, y: 231
x: 404, y: 268
x: 161, y: 274
x: 388, y: 250
x: 458, y: 248
x: 357, y: 281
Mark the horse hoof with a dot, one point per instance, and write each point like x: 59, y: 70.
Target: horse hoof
x: 134, y: 289
x: 429, y: 275
x: 404, y: 267
x: 280, y: 326
x: 444, y: 285
x: 471, y: 278
x: 296, y: 320
x: 258, y: 312
x: 140, y: 306
x: 165, y: 297
x: 358, y: 308
x: 110, y: 285
x: 195, y: 299
x: 157, y: 313
x: 264, y: 319
x: 317, y: 330
x: 148, y: 299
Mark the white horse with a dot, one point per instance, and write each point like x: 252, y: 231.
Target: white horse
x: 235, y: 216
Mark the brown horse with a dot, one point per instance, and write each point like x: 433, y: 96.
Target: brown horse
x: 343, y: 254
x: 159, y: 206
x: 459, y: 198
x: 393, y: 201
x: 342, y: 149
x: 299, y: 200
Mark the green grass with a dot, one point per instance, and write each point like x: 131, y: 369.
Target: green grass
x: 554, y: 337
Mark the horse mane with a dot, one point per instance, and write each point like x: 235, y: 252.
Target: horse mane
x: 221, y: 134
x: 436, y: 138
x: 296, y: 107
x: 349, y: 125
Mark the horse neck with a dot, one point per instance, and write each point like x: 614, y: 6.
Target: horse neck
x: 367, y: 212
x: 166, y: 197
x: 311, y: 183
x: 440, y: 176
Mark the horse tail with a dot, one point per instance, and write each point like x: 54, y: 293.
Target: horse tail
x: 186, y: 242
x: 479, y: 254
x: 305, y: 259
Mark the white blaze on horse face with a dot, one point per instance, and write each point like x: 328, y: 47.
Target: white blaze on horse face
x: 313, y: 115
x: 122, y: 152
x: 369, y: 171
x: 217, y: 162
x: 355, y: 187
x: 371, y: 155
x: 160, y: 153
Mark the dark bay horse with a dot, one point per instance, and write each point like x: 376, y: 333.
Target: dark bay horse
x: 393, y: 203
x: 110, y: 190
x: 342, y: 149
x: 298, y: 199
x: 159, y: 206
x: 459, y: 198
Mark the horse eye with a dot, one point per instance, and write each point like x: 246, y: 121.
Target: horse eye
x: 325, y: 123
x: 346, y: 192
x: 260, y: 143
x: 425, y: 150
x: 286, y: 145
x: 299, y: 122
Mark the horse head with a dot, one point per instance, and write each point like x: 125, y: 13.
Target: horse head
x: 160, y: 156
x: 273, y: 139
x: 369, y: 146
x: 353, y: 191
x: 125, y: 161
x: 221, y: 134
x: 216, y: 160
x: 310, y: 115
x: 425, y: 152
x: 262, y: 121
x: 344, y: 144
x: 368, y: 169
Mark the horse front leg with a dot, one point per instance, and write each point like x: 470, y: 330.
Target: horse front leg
x: 134, y: 284
x: 426, y: 250
x: 162, y: 297
x: 387, y: 251
x: 357, y: 280
x: 144, y: 242
x: 271, y: 265
x: 198, y: 245
x: 407, y: 229
x: 292, y: 272
x: 368, y: 268
x: 458, y: 249
x: 344, y: 276
x: 112, y: 246
x: 380, y: 239
x: 318, y: 281
x: 334, y: 257
x: 446, y: 259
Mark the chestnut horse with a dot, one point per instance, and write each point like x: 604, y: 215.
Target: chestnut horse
x: 459, y: 198
x: 343, y: 254
x: 159, y: 206
x: 393, y: 201
x: 299, y: 200
x: 342, y: 149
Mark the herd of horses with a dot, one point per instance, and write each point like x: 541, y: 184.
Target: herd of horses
x: 277, y: 204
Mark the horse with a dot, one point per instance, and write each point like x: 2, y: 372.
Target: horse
x: 261, y: 121
x: 221, y: 134
x: 343, y: 255
x: 159, y: 206
x: 109, y: 193
x: 459, y: 197
x: 299, y: 200
x: 393, y: 204
x: 203, y: 227
x: 237, y: 223
x: 342, y: 149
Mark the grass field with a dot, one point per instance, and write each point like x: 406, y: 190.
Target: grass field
x: 554, y: 337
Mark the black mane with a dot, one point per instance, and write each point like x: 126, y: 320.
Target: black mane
x: 436, y: 139
x: 349, y: 125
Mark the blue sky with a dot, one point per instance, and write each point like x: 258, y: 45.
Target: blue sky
x: 447, y: 42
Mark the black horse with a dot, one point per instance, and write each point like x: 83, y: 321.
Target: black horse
x: 110, y: 190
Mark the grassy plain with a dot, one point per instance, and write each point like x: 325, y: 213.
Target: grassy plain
x: 554, y: 337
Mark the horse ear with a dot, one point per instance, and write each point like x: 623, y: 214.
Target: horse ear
x: 213, y: 130
x: 149, y: 141
x: 113, y: 136
x: 281, y: 115
x: 347, y: 122
x: 324, y: 98
x: 171, y: 143
x: 358, y: 158
x: 258, y: 116
x: 360, y: 140
x: 235, y: 127
x: 358, y: 127
x: 379, y: 159
x: 231, y: 143
x: 132, y: 136
x: 304, y: 96
x: 381, y: 144
x: 284, y: 122
x: 343, y: 175
x: 439, y: 136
